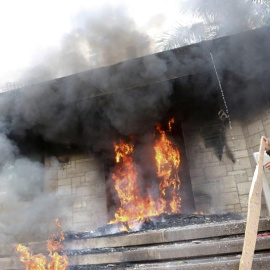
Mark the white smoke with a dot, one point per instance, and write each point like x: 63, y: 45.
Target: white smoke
x: 215, y: 18
x: 99, y: 37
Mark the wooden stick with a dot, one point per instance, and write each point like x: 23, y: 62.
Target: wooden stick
x: 254, y: 210
x: 266, y: 192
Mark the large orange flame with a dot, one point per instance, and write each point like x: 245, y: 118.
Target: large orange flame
x: 39, y: 261
x: 168, y: 162
x: 134, y: 206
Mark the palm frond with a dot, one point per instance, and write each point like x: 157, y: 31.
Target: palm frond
x: 220, y: 18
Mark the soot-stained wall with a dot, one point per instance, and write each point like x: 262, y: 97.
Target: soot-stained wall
x: 79, y: 183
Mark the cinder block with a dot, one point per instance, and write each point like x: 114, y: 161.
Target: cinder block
x: 198, y: 181
x: 77, y: 203
x: 237, y: 144
x: 229, y: 168
x: 82, y: 217
x: 229, y: 181
x: 238, y: 172
x: 196, y: 173
x: 229, y: 198
x: 207, y: 157
x: 100, y: 189
x: 85, y: 191
x: 64, y: 190
x: 241, y: 178
x: 85, y: 226
x: 92, y: 176
x: 213, y: 164
x: 241, y: 154
x: 229, y: 207
x: 242, y: 163
x: 253, y: 140
x: 243, y: 188
x: 85, y: 200
x: 236, y: 131
x: 89, y: 159
x: 80, y: 209
x: 83, y: 167
x: 231, y: 189
x: 209, y: 188
x: 243, y: 201
x: 255, y: 127
x: 6, y: 263
x: 75, y: 157
x: 51, y: 174
x: 237, y: 208
x: 76, y: 181
x: 71, y: 172
x: 196, y: 162
x: 62, y: 173
x: 50, y: 186
x: 265, y: 120
x: 86, y: 184
x: 250, y: 172
x: 193, y: 152
x: 64, y: 182
x: 216, y: 171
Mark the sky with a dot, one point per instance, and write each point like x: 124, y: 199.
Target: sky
x: 31, y: 27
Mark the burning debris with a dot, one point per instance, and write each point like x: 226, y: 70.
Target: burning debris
x: 39, y: 261
x: 163, y: 221
x: 135, y: 207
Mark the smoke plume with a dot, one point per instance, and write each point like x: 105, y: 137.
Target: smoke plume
x: 101, y: 36
x: 63, y: 112
x: 58, y: 112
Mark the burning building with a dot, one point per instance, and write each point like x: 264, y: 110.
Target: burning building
x: 149, y: 136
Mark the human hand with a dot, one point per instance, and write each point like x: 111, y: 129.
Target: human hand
x: 267, y: 165
x: 267, y: 144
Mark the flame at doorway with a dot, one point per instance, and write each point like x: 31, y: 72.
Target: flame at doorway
x: 136, y: 206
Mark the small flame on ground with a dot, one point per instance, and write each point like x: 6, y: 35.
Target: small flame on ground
x: 198, y: 213
x: 39, y: 261
x: 135, y: 207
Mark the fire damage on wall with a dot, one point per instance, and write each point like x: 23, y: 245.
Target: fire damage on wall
x: 149, y: 143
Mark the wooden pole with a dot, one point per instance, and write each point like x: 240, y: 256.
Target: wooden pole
x: 254, y: 210
x: 266, y: 192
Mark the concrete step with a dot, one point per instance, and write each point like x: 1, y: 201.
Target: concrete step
x: 216, y: 245
x: 9, y: 259
x: 261, y: 261
x: 11, y: 263
x: 175, y: 251
x: 36, y: 247
x: 176, y: 234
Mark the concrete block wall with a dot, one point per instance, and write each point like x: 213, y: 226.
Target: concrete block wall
x: 254, y: 128
x: 221, y: 185
x: 79, y: 183
x: 218, y: 185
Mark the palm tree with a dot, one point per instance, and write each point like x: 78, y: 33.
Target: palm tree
x: 218, y: 18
